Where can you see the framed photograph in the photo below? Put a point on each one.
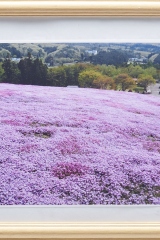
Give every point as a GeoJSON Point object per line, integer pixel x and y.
{"type": "Point", "coordinates": [79, 119]}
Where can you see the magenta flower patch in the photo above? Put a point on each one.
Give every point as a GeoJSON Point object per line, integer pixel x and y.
{"type": "Point", "coordinates": [78, 146]}
{"type": "Point", "coordinates": [66, 169]}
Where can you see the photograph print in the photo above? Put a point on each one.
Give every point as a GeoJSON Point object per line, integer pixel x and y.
{"type": "Point", "coordinates": [79, 124]}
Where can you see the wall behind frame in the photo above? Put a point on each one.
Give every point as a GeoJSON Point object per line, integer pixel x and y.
{"type": "Point", "coordinates": [79, 29]}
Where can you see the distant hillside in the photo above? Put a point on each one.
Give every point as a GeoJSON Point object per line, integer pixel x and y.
{"type": "Point", "coordinates": [63, 53]}
{"type": "Point", "coordinates": [157, 59]}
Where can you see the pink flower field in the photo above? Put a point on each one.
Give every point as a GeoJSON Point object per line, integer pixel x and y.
{"type": "Point", "coordinates": [78, 146]}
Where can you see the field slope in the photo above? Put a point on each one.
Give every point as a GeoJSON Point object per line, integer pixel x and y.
{"type": "Point", "coordinates": [78, 146]}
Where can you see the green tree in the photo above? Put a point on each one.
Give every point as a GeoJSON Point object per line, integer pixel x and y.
{"type": "Point", "coordinates": [135, 71]}
{"type": "Point", "coordinates": [87, 77]}
{"type": "Point", "coordinates": [1, 72]}
{"type": "Point", "coordinates": [124, 82]}
{"type": "Point", "coordinates": [122, 70]}
{"type": "Point", "coordinates": [4, 53]}
{"type": "Point", "coordinates": [112, 57]}
{"type": "Point", "coordinates": [72, 73]}
{"type": "Point", "coordinates": [151, 71]}
{"type": "Point", "coordinates": [145, 80]}
{"type": "Point", "coordinates": [11, 72]}
{"type": "Point", "coordinates": [104, 82]}
{"type": "Point", "coordinates": [57, 77]}
{"type": "Point", "coordinates": [40, 72]}
{"type": "Point", "coordinates": [109, 70]}
{"type": "Point", "coordinates": [33, 72]}
{"type": "Point", "coordinates": [27, 71]}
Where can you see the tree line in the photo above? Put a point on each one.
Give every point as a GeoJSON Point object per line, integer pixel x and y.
{"type": "Point", "coordinates": [34, 72]}
{"type": "Point", "coordinates": [27, 71]}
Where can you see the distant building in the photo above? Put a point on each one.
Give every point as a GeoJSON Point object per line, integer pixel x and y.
{"type": "Point", "coordinates": [17, 60]}
{"type": "Point", "coordinates": [94, 52]}
{"type": "Point", "coordinates": [137, 60]}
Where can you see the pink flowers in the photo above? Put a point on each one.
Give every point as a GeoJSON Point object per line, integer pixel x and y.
{"type": "Point", "coordinates": [78, 146]}
{"type": "Point", "coordinates": [65, 169]}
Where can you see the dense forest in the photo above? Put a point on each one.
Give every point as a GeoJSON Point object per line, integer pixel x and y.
{"type": "Point", "coordinates": [32, 71]}
{"type": "Point", "coordinates": [124, 66]}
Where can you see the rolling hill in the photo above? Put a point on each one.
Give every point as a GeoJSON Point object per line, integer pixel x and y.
{"type": "Point", "coordinates": [61, 53]}
{"type": "Point", "coordinates": [78, 146]}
